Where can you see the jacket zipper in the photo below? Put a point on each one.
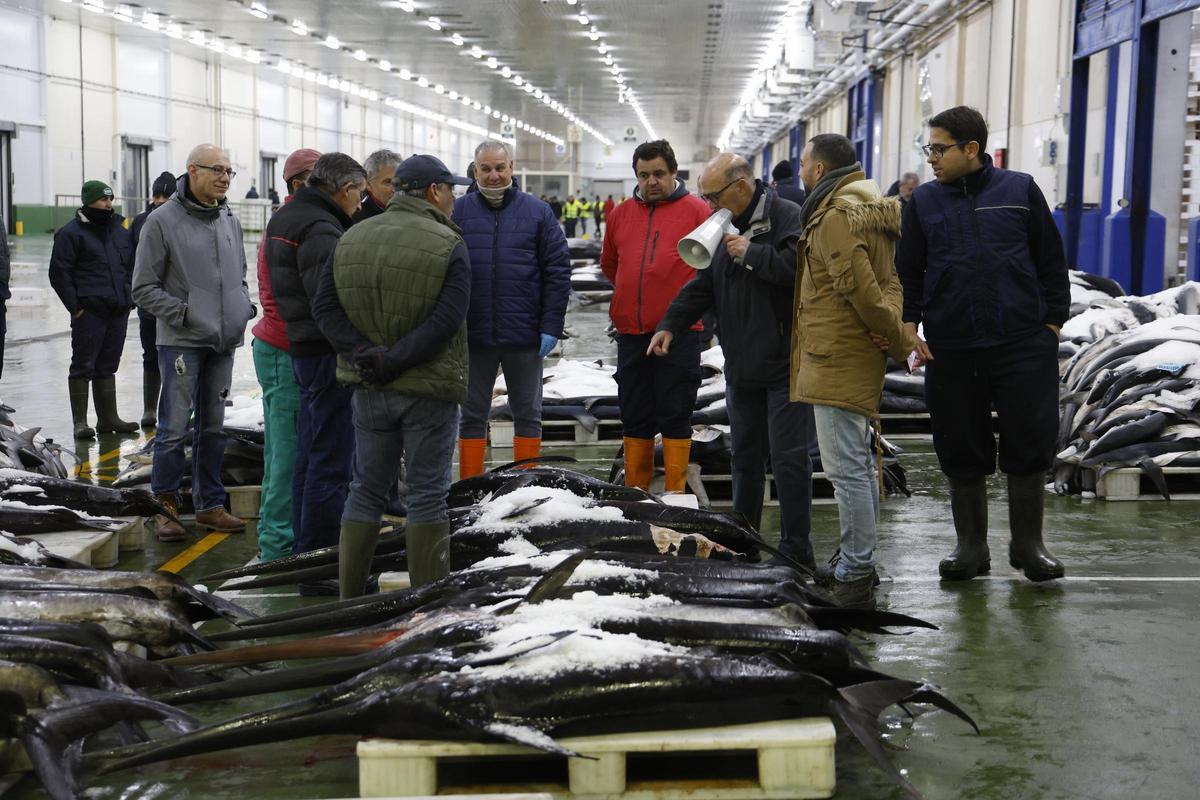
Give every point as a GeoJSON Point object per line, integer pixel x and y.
{"type": "Point", "coordinates": [495, 258]}
{"type": "Point", "coordinates": [642, 269]}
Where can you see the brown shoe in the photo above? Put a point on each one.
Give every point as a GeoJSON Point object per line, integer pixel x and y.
{"type": "Point", "coordinates": [218, 519]}
{"type": "Point", "coordinates": [165, 528]}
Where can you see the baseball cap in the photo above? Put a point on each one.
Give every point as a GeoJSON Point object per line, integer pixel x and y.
{"type": "Point", "coordinates": [419, 171]}
{"type": "Point", "coordinates": [299, 162]}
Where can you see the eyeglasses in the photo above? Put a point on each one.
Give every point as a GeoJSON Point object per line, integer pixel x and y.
{"type": "Point", "coordinates": [712, 197]}
{"type": "Point", "coordinates": [939, 150]}
{"type": "Point", "coordinates": [219, 170]}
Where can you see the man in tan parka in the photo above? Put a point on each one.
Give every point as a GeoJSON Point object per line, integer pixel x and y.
{"type": "Point", "coordinates": [848, 307]}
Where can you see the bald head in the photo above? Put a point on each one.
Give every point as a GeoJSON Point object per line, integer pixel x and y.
{"type": "Point", "coordinates": [728, 182]}
{"type": "Point", "coordinates": [209, 173]}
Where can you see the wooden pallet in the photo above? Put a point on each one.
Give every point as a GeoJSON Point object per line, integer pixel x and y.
{"type": "Point", "coordinates": [561, 433]}
{"type": "Point", "coordinates": [761, 761]}
{"type": "Point", "coordinates": [1131, 483]}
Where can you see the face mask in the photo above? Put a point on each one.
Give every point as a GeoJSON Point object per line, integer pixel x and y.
{"type": "Point", "coordinates": [97, 216]}
{"type": "Point", "coordinates": [494, 196]}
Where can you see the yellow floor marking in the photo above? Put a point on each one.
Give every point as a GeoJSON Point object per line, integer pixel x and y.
{"type": "Point", "coordinates": [179, 562]}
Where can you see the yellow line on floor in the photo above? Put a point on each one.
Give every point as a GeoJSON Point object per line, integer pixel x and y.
{"type": "Point", "coordinates": [86, 466]}
{"type": "Point", "coordinates": [201, 547]}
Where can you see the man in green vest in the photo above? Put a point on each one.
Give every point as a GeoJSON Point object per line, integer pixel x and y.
{"type": "Point", "coordinates": [570, 215]}
{"type": "Point", "coordinates": [393, 302]}
{"type": "Point", "coordinates": [585, 211]}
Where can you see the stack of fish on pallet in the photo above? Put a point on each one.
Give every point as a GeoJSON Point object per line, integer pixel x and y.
{"type": "Point", "coordinates": [66, 679]}
{"type": "Point", "coordinates": [34, 503]}
{"type": "Point", "coordinates": [243, 462]}
{"type": "Point", "coordinates": [588, 284]}
{"type": "Point", "coordinates": [1099, 307]}
{"type": "Point", "coordinates": [26, 449]}
{"type": "Point", "coordinates": [567, 615]}
{"type": "Point", "coordinates": [1131, 394]}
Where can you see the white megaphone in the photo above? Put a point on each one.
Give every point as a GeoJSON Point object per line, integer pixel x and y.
{"type": "Point", "coordinates": [698, 247]}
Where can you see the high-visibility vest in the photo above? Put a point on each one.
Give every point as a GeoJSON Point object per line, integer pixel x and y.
{"type": "Point", "coordinates": [571, 210]}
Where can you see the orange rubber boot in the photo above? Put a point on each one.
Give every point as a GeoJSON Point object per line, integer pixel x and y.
{"type": "Point", "coordinates": [676, 453]}
{"type": "Point", "coordinates": [470, 457]}
{"type": "Point", "coordinates": [639, 462]}
{"type": "Point", "coordinates": [526, 447]}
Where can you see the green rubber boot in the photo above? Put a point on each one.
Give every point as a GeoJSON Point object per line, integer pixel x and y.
{"type": "Point", "coordinates": [356, 550]}
{"type": "Point", "coordinates": [428, 547]}
{"type": "Point", "coordinates": [78, 388]}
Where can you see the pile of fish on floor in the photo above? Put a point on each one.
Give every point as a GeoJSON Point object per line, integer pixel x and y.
{"type": "Point", "coordinates": [588, 284]}
{"type": "Point", "coordinates": [243, 461]}
{"type": "Point", "coordinates": [586, 392]}
{"type": "Point", "coordinates": [575, 607]}
{"type": "Point", "coordinates": [1130, 394]}
{"type": "Point", "coordinates": [26, 449]}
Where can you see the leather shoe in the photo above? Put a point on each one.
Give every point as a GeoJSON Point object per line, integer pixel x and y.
{"type": "Point", "coordinates": [165, 528]}
{"type": "Point", "coordinates": [218, 519]}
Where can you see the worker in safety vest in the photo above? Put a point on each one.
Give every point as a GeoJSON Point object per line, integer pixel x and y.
{"type": "Point", "coordinates": [571, 213]}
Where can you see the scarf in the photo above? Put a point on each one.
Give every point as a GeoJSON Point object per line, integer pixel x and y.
{"type": "Point", "coordinates": [494, 197]}
{"type": "Point", "coordinates": [823, 189]}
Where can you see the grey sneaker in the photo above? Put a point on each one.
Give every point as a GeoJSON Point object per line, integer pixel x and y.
{"type": "Point", "coordinates": [858, 593]}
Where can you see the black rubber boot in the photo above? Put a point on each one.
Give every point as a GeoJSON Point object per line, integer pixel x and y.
{"type": "Point", "coordinates": [151, 383]}
{"type": "Point", "coordinates": [104, 392]}
{"type": "Point", "coordinates": [968, 505]}
{"type": "Point", "coordinates": [78, 388]}
{"type": "Point", "coordinates": [428, 551]}
{"type": "Point", "coordinates": [1026, 501]}
{"type": "Point", "coordinates": [356, 549]}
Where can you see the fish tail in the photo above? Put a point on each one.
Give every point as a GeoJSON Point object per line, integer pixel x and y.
{"type": "Point", "coordinates": [859, 708]}
{"type": "Point", "coordinates": [292, 721]}
{"type": "Point", "coordinates": [218, 605]}
{"type": "Point", "coordinates": [274, 681]}
{"type": "Point", "coordinates": [871, 621]}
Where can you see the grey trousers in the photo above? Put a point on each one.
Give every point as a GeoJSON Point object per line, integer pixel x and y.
{"type": "Point", "coordinates": [523, 376]}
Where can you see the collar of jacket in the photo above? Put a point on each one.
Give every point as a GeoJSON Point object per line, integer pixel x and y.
{"type": "Point", "coordinates": [407, 204]}
{"type": "Point", "coordinates": [680, 191]}
{"type": "Point", "coordinates": [183, 196]}
{"type": "Point", "coordinates": [375, 201]}
{"type": "Point", "coordinates": [827, 201]}
{"type": "Point", "coordinates": [755, 211]}
{"type": "Point", "coordinates": [972, 183]}
{"type": "Point", "coordinates": [316, 197]}
{"type": "Point", "coordinates": [865, 207]}
{"type": "Point", "coordinates": [117, 218]}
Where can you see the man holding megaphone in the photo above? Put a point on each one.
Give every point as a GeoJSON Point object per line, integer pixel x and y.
{"type": "Point", "coordinates": [746, 274]}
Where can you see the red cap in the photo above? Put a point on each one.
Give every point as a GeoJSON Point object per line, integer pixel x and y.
{"type": "Point", "coordinates": [299, 162]}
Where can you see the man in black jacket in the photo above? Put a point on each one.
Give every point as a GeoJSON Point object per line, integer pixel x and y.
{"type": "Point", "coordinates": [983, 268]}
{"type": "Point", "coordinates": [300, 238]}
{"type": "Point", "coordinates": [783, 181]}
{"type": "Point", "coordinates": [381, 168]}
{"type": "Point", "coordinates": [91, 269]}
{"type": "Point", "coordinates": [749, 285]}
{"type": "Point", "coordinates": [163, 188]}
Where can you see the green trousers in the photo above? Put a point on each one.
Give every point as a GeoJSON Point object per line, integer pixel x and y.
{"type": "Point", "coordinates": [281, 402]}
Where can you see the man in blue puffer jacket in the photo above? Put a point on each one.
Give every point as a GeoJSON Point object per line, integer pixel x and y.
{"type": "Point", "coordinates": [983, 268]}
{"type": "Point", "coordinates": [520, 281]}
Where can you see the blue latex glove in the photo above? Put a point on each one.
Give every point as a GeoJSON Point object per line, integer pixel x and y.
{"type": "Point", "coordinates": [548, 343]}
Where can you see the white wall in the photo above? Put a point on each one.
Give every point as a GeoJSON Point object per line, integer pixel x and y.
{"type": "Point", "coordinates": [178, 96]}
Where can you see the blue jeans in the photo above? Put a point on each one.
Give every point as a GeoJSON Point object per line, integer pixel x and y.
{"type": "Point", "coordinates": [845, 440]}
{"type": "Point", "coordinates": [386, 425]}
{"type": "Point", "coordinates": [324, 453]}
{"type": "Point", "coordinates": [193, 378]}
{"type": "Point", "coordinates": [764, 424]}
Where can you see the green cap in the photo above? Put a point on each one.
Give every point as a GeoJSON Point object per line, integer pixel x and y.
{"type": "Point", "coordinates": [93, 191]}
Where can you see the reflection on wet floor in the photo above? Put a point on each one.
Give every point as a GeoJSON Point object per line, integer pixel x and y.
{"type": "Point", "coordinates": [1086, 688]}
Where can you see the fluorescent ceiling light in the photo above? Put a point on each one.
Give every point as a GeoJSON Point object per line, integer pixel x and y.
{"type": "Point", "coordinates": [299, 28]}
{"type": "Point", "coordinates": [477, 51]}
{"type": "Point", "coordinates": [150, 20]}
{"type": "Point", "coordinates": [456, 40]}
{"type": "Point", "coordinates": [360, 55]}
{"type": "Point", "coordinates": [385, 65]}
{"type": "Point", "coordinates": [440, 89]}
{"type": "Point", "coordinates": [583, 18]}
{"type": "Point", "coordinates": [492, 62]}
{"type": "Point", "coordinates": [332, 42]}
{"type": "Point", "coordinates": [123, 12]}
{"type": "Point", "coordinates": [423, 82]}
{"type": "Point", "coordinates": [434, 23]}
{"type": "Point", "coordinates": [506, 71]}
{"type": "Point", "coordinates": [174, 30]}
{"type": "Point", "coordinates": [95, 6]}
{"type": "Point", "coordinates": [405, 75]}
{"type": "Point", "coordinates": [259, 10]}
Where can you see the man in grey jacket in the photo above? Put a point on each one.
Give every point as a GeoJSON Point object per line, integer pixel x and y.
{"type": "Point", "coordinates": [190, 274]}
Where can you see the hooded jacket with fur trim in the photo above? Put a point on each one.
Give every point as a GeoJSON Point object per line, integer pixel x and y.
{"type": "Point", "coordinates": [846, 289]}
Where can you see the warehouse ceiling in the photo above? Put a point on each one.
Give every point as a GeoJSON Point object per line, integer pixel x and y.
{"type": "Point", "coordinates": [679, 69]}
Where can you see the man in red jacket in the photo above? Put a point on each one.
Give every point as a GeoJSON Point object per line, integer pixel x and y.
{"type": "Point", "coordinates": [641, 259]}
{"type": "Point", "coordinates": [281, 397]}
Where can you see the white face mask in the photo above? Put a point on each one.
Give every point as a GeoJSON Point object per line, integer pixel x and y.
{"type": "Point", "coordinates": [494, 196]}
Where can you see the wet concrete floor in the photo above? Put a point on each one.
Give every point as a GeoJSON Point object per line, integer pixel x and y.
{"type": "Point", "coordinates": [1084, 688]}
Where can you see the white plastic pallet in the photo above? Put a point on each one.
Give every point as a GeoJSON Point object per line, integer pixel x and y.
{"type": "Point", "coordinates": [607, 431]}
{"type": "Point", "coordinates": [770, 497]}
{"type": "Point", "coordinates": [1126, 484]}
{"type": "Point", "coordinates": [794, 759]}
{"type": "Point", "coordinates": [99, 549]}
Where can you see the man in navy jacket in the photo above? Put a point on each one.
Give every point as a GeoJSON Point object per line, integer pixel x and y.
{"type": "Point", "coordinates": [983, 268]}
{"type": "Point", "coordinates": [520, 282]}
{"type": "Point", "coordinates": [91, 267]}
